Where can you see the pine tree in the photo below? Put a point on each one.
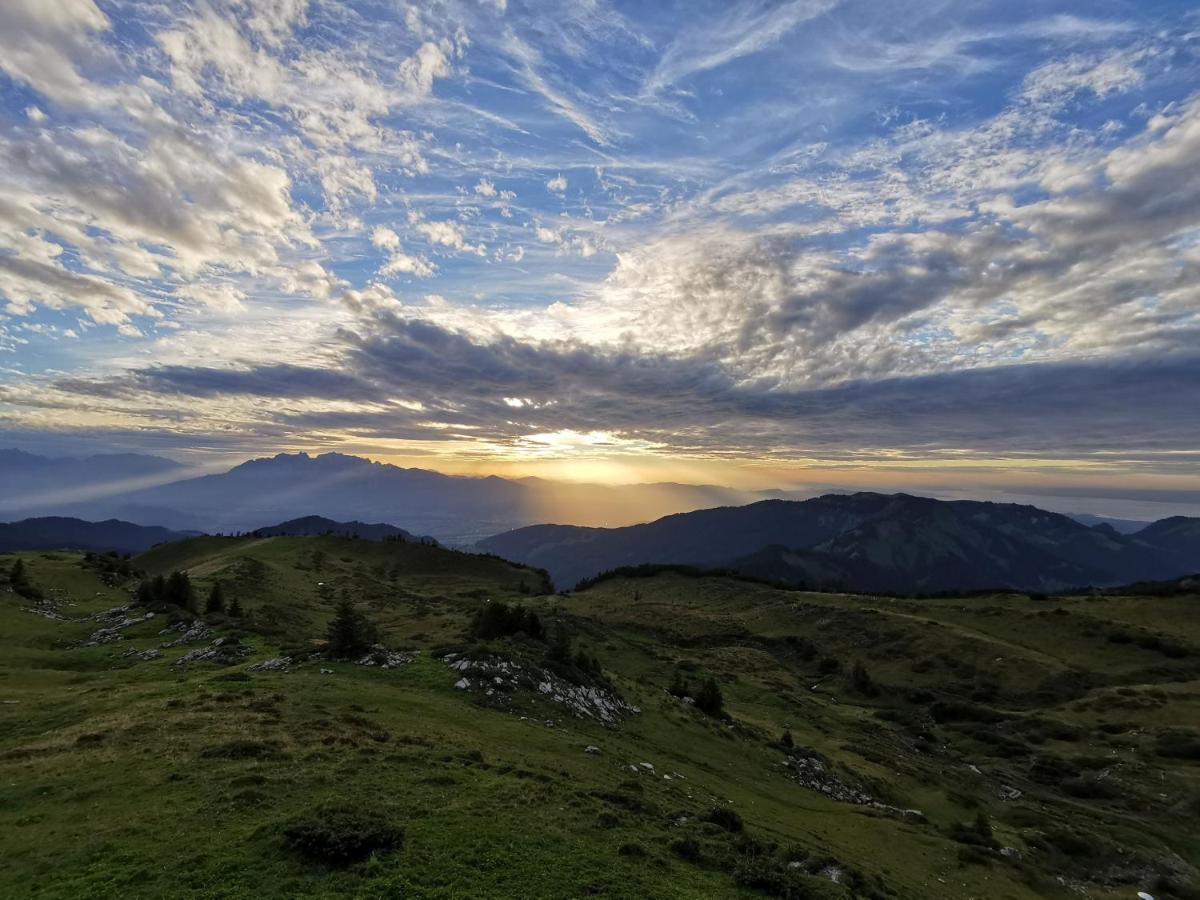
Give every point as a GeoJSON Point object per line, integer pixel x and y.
{"type": "Point", "coordinates": [216, 599]}
{"type": "Point", "coordinates": [350, 634]}
{"type": "Point", "coordinates": [560, 649]}
{"type": "Point", "coordinates": [18, 579]}
{"type": "Point", "coordinates": [860, 678]}
{"type": "Point", "coordinates": [145, 594]}
{"type": "Point", "coordinates": [708, 698]}
{"type": "Point", "coordinates": [178, 590]}
{"type": "Point", "coordinates": [235, 609]}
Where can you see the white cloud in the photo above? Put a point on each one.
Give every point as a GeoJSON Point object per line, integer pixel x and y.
{"type": "Point", "coordinates": [557, 184]}
{"type": "Point", "coordinates": [446, 233]}
{"type": "Point", "coordinates": [485, 188]}
{"type": "Point", "coordinates": [385, 238]}
{"type": "Point", "coordinates": [417, 73]}
{"type": "Point", "coordinates": [744, 29]}
{"type": "Point", "coordinates": [401, 263]}
{"type": "Point", "coordinates": [220, 297]}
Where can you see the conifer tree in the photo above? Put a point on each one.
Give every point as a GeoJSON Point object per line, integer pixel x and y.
{"type": "Point", "coordinates": [18, 579]}
{"type": "Point", "coordinates": [216, 599]}
{"type": "Point", "coordinates": [178, 590]}
{"type": "Point", "coordinates": [350, 634]}
{"type": "Point", "coordinates": [708, 698]}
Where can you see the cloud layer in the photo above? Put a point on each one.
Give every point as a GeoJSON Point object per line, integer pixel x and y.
{"type": "Point", "coordinates": [811, 230]}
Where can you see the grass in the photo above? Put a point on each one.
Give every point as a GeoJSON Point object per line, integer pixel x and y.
{"type": "Point", "coordinates": [130, 778]}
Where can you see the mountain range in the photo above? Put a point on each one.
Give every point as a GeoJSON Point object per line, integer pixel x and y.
{"type": "Point", "coordinates": [453, 508]}
{"type": "Point", "coordinates": [871, 542]}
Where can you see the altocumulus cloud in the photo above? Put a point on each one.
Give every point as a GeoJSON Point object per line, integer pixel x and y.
{"type": "Point", "coordinates": [261, 221]}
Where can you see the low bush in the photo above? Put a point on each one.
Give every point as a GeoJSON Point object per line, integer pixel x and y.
{"type": "Point", "coordinates": [724, 817]}
{"type": "Point", "coordinates": [342, 836]}
{"type": "Point", "coordinates": [775, 879]}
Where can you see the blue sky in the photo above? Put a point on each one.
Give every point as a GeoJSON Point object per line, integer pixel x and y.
{"type": "Point", "coordinates": [945, 246]}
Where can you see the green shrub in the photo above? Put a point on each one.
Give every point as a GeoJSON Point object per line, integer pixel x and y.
{"type": "Point", "coordinates": [341, 836]}
{"type": "Point", "coordinates": [726, 818]}
{"type": "Point", "coordinates": [775, 879]}
{"type": "Point", "coordinates": [709, 699]}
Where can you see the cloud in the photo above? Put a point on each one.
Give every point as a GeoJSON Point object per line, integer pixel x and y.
{"type": "Point", "coordinates": [418, 72]}
{"type": "Point", "coordinates": [527, 64]}
{"type": "Point", "coordinates": [399, 263]}
{"type": "Point", "coordinates": [448, 234]}
{"type": "Point", "coordinates": [745, 29]}
{"type": "Point", "coordinates": [557, 184]}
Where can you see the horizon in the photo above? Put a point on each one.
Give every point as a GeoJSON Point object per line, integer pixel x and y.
{"type": "Point", "coordinates": [804, 246]}
{"type": "Point", "coordinates": [1144, 511]}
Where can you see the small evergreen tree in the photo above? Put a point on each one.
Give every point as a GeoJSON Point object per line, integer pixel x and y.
{"type": "Point", "coordinates": [18, 579]}
{"type": "Point", "coordinates": [709, 700]}
{"type": "Point", "coordinates": [350, 634]}
{"type": "Point", "coordinates": [216, 599]}
{"type": "Point", "coordinates": [145, 593]}
{"type": "Point", "coordinates": [861, 680]}
{"type": "Point", "coordinates": [786, 741]}
{"type": "Point", "coordinates": [178, 590]}
{"type": "Point", "coordinates": [560, 648]}
{"type": "Point", "coordinates": [234, 610]}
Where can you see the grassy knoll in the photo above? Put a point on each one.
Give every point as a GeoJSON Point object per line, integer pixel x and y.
{"type": "Point", "coordinates": [986, 747]}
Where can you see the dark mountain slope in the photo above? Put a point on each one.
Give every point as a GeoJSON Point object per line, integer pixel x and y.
{"type": "Point", "coordinates": [862, 541]}
{"type": "Point", "coordinates": [308, 526]}
{"type": "Point", "coordinates": [1178, 534]}
{"type": "Point", "coordinates": [56, 533]}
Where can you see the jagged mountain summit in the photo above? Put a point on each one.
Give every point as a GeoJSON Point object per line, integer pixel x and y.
{"type": "Point", "coordinates": [453, 508]}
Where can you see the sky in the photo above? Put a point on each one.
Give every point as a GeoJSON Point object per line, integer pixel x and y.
{"type": "Point", "coordinates": [948, 247]}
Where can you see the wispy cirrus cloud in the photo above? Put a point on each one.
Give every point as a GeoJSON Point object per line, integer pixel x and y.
{"type": "Point", "coordinates": [748, 231]}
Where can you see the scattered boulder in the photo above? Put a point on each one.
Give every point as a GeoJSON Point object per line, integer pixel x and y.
{"type": "Point", "coordinates": [222, 651]}
{"type": "Point", "coordinates": [500, 678]}
{"type": "Point", "coordinates": [114, 622]}
{"type": "Point", "coordinates": [278, 664]}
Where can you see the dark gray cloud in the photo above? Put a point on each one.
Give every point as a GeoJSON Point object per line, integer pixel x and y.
{"type": "Point", "coordinates": [691, 403]}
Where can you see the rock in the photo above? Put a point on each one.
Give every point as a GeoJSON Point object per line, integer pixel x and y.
{"type": "Point", "coordinates": [591, 748]}
{"type": "Point", "coordinates": [152, 653]}
{"type": "Point", "coordinates": [197, 632]}
{"type": "Point", "coordinates": [649, 767]}
{"type": "Point", "coordinates": [277, 664]}
{"type": "Point", "coordinates": [115, 621]}
{"type": "Point", "coordinates": [220, 652]}
{"type": "Point", "coordinates": [388, 659]}
{"type": "Point", "coordinates": [462, 684]}
{"type": "Point", "coordinates": [506, 677]}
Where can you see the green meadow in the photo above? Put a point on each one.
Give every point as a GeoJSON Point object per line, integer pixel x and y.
{"type": "Point", "coordinates": [993, 746]}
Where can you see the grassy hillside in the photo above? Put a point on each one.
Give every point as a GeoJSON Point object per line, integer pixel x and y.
{"type": "Point", "coordinates": [992, 747]}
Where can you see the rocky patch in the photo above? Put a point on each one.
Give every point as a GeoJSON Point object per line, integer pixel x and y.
{"type": "Point", "coordinates": [222, 652]}
{"type": "Point", "coordinates": [497, 679]}
{"type": "Point", "coordinates": [114, 622]}
{"type": "Point", "coordinates": [814, 774]}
